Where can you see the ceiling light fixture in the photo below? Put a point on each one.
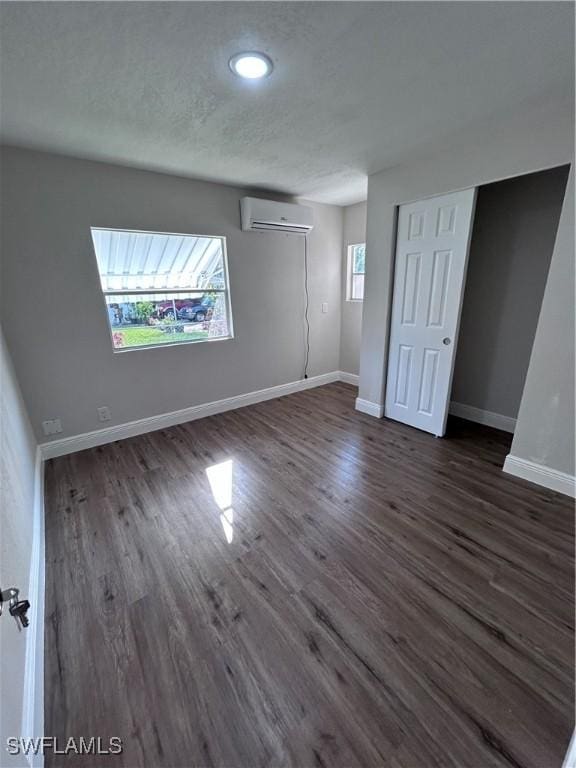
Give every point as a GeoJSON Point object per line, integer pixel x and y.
{"type": "Point", "coordinates": [251, 65]}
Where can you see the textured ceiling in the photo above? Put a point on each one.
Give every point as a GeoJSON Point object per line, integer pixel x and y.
{"type": "Point", "coordinates": [357, 87]}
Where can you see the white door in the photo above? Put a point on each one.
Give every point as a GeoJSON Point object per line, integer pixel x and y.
{"type": "Point", "coordinates": [431, 258]}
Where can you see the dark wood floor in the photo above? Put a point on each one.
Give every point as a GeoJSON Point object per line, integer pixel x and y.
{"type": "Point", "coordinates": [296, 584]}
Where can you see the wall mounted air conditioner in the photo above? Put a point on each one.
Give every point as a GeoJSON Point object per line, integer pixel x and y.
{"type": "Point", "coordinates": [267, 215]}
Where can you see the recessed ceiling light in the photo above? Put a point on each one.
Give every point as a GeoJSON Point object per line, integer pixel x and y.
{"type": "Point", "coordinates": [251, 65]}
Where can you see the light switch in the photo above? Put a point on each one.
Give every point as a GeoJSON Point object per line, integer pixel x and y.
{"type": "Point", "coordinates": [324, 307]}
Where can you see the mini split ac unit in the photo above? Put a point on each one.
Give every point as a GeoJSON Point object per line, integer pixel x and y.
{"type": "Point", "coordinates": [267, 215]}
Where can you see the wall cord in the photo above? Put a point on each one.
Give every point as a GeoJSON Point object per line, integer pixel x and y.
{"type": "Point", "coordinates": [307, 305]}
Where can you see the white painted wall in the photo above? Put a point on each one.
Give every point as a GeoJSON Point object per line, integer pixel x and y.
{"type": "Point", "coordinates": [52, 308]}
{"type": "Point", "coordinates": [18, 478]}
{"type": "Point", "coordinates": [512, 241]}
{"type": "Point", "coordinates": [540, 136]}
{"type": "Point", "coordinates": [351, 329]}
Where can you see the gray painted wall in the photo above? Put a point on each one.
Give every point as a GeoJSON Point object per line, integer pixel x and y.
{"type": "Point", "coordinates": [538, 137]}
{"type": "Point", "coordinates": [546, 427]}
{"type": "Point", "coordinates": [53, 314]}
{"type": "Point", "coordinates": [17, 488]}
{"type": "Point", "coordinates": [351, 330]}
{"type": "Point", "coordinates": [512, 240]}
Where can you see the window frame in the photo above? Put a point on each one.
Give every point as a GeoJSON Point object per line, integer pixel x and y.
{"type": "Point", "coordinates": [350, 273]}
{"type": "Point", "coordinates": [165, 291]}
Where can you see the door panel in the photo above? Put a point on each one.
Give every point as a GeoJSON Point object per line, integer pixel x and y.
{"type": "Point", "coordinates": [428, 381]}
{"type": "Point", "coordinates": [438, 288]}
{"type": "Point", "coordinates": [411, 288]}
{"type": "Point", "coordinates": [431, 258]}
{"type": "Point", "coordinates": [403, 378]}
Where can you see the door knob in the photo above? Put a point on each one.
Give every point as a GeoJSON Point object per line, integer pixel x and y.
{"type": "Point", "coordinates": [446, 341]}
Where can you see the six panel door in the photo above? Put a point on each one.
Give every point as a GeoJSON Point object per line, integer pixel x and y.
{"type": "Point", "coordinates": [432, 247]}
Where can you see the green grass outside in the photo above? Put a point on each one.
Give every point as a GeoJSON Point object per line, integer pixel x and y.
{"type": "Point", "coordinates": [137, 337]}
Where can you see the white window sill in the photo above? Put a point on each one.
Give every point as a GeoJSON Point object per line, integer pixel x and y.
{"type": "Point", "coordinates": [144, 347]}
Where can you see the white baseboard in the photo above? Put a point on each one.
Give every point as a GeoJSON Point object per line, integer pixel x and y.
{"type": "Point", "coordinates": [372, 409]}
{"type": "Point", "coordinates": [541, 475]}
{"type": "Point", "coordinates": [33, 705]}
{"type": "Point", "coordinates": [480, 416]}
{"type": "Point", "coordinates": [349, 378]}
{"type": "Point", "coordinates": [132, 428]}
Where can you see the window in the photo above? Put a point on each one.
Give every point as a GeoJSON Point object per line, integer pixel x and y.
{"type": "Point", "coordinates": [356, 270]}
{"type": "Point", "coordinates": [161, 288]}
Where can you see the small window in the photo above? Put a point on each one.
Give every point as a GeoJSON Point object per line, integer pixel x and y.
{"type": "Point", "coordinates": [356, 270]}
{"type": "Point", "coordinates": [162, 288]}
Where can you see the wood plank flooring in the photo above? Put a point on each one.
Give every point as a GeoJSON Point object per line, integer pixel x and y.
{"type": "Point", "coordinates": [297, 584]}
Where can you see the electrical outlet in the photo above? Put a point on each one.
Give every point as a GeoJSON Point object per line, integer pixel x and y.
{"type": "Point", "coordinates": [52, 426]}
{"type": "Point", "coordinates": [324, 307]}
{"type": "Point", "coordinates": [103, 413]}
